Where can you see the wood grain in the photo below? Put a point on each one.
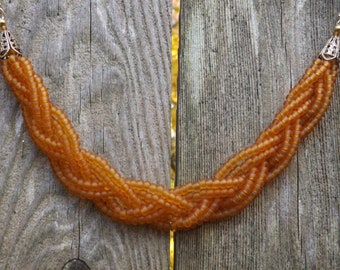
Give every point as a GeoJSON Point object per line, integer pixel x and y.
{"type": "Point", "coordinates": [238, 60]}
{"type": "Point", "coordinates": [107, 64]}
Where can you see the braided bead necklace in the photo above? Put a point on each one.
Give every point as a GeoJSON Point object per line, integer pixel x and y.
{"type": "Point", "coordinates": [234, 185]}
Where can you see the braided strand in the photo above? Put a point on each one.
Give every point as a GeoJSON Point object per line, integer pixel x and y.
{"type": "Point", "coordinates": [234, 186]}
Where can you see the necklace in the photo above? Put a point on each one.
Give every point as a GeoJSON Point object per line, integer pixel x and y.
{"type": "Point", "coordinates": [234, 185]}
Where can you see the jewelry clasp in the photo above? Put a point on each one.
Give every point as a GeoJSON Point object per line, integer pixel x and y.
{"type": "Point", "coordinates": [2, 18]}
{"type": "Point", "coordinates": [337, 27]}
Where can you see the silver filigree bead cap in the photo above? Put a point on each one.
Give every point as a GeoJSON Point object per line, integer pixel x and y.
{"type": "Point", "coordinates": [331, 50]}
{"type": "Point", "coordinates": [8, 45]}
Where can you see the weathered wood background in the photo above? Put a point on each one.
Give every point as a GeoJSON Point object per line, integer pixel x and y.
{"type": "Point", "coordinates": [107, 64]}
{"type": "Point", "coordinates": [238, 60]}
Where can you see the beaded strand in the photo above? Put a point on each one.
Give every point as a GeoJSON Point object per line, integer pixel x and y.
{"type": "Point", "coordinates": [234, 185]}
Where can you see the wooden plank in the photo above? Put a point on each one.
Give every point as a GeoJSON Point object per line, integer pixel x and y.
{"type": "Point", "coordinates": [238, 60]}
{"type": "Point", "coordinates": [107, 64]}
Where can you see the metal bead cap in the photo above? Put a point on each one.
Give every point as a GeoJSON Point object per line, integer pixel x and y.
{"type": "Point", "coordinates": [331, 50]}
{"type": "Point", "coordinates": [8, 45]}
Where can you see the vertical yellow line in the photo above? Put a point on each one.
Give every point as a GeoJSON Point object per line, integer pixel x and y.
{"type": "Point", "coordinates": [174, 72]}
{"type": "Point", "coordinates": [172, 251]}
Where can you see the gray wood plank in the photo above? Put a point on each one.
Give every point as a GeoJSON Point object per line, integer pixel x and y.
{"type": "Point", "coordinates": [107, 64]}
{"type": "Point", "coordinates": [238, 60]}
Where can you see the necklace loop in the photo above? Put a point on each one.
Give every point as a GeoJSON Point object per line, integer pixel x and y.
{"type": "Point", "coordinates": [337, 27]}
{"type": "Point", "coordinates": [2, 17]}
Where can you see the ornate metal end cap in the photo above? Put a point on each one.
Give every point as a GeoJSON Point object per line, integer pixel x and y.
{"type": "Point", "coordinates": [331, 50]}
{"type": "Point", "coordinates": [8, 45]}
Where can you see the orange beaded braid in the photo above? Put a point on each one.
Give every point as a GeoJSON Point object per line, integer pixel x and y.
{"type": "Point", "coordinates": [235, 184]}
